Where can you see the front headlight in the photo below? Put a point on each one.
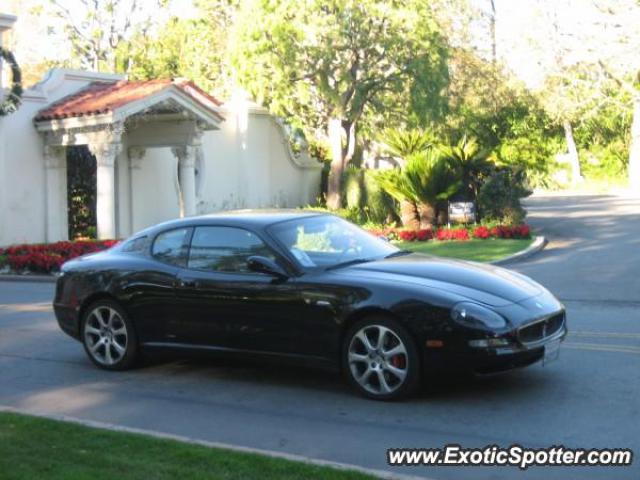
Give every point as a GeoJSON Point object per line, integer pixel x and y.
{"type": "Point", "coordinates": [474, 315]}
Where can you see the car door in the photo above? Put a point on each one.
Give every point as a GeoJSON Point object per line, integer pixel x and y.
{"type": "Point", "coordinates": [225, 305]}
{"type": "Point", "coordinates": [149, 288]}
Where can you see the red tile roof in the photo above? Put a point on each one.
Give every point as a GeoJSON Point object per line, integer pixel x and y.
{"type": "Point", "coordinates": [99, 97]}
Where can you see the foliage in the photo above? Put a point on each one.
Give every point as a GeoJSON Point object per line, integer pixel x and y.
{"type": "Point", "coordinates": [47, 258]}
{"type": "Point", "coordinates": [331, 67]}
{"type": "Point", "coordinates": [472, 163]}
{"type": "Point", "coordinates": [426, 178]}
{"type": "Point", "coordinates": [81, 193]}
{"type": "Point", "coordinates": [603, 134]}
{"type": "Point", "coordinates": [480, 232]}
{"type": "Point", "coordinates": [403, 143]}
{"type": "Point", "coordinates": [197, 49]}
{"type": "Point", "coordinates": [13, 98]}
{"type": "Point", "coordinates": [99, 34]}
{"type": "Point", "coordinates": [499, 197]}
{"type": "Point", "coordinates": [361, 192]}
{"type": "Point", "coordinates": [507, 121]}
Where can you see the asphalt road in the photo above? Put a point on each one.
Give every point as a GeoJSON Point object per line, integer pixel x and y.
{"type": "Point", "coordinates": [589, 398]}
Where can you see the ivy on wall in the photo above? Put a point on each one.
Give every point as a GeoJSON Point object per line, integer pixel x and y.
{"type": "Point", "coordinates": [12, 100]}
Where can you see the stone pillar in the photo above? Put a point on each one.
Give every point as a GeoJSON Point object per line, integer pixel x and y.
{"type": "Point", "coordinates": [187, 176]}
{"type": "Point", "coordinates": [106, 146]}
{"type": "Point", "coordinates": [56, 193]}
{"type": "Point", "coordinates": [136, 155]}
{"type": "Point", "coordinates": [106, 155]}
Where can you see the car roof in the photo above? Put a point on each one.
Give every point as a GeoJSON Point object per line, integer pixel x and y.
{"type": "Point", "coordinates": [257, 218]}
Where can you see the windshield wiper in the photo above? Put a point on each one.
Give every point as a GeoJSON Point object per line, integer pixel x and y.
{"type": "Point", "coordinates": [399, 253]}
{"type": "Point", "coordinates": [349, 262]}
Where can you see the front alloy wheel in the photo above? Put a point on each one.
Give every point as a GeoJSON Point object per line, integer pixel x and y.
{"type": "Point", "coordinates": [108, 336]}
{"type": "Point", "coordinates": [381, 360]}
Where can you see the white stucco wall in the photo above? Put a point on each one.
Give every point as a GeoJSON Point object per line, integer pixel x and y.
{"type": "Point", "coordinates": [22, 173]}
{"type": "Point", "coordinates": [245, 164]}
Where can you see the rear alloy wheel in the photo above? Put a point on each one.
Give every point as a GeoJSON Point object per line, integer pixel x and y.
{"type": "Point", "coordinates": [380, 359]}
{"type": "Point", "coordinates": [108, 336]}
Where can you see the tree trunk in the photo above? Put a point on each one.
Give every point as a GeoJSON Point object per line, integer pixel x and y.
{"type": "Point", "coordinates": [428, 215]}
{"type": "Point", "coordinates": [634, 147]}
{"type": "Point", "coordinates": [409, 215]}
{"type": "Point", "coordinates": [334, 199]}
{"type": "Point", "coordinates": [576, 175]}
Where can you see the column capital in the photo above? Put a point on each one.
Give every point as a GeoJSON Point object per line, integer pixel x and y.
{"type": "Point", "coordinates": [136, 154]}
{"type": "Point", "coordinates": [106, 153]}
{"type": "Point", "coordinates": [54, 156]}
{"type": "Point", "coordinates": [186, 155]}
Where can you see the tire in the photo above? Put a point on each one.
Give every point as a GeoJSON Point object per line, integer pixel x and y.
{"type": "Point", "coordinates": [374, 370]}
{"type": "Point", "coordinates": [108, 336]}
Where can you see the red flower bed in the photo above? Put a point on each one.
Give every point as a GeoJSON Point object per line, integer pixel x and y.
{"type": "Point", "coordinates": [453, 234]}
{"type": "Point", "coordinates": [481, 232]}
{"type": "Point", "coordinates": [459, 233]}
{"type": "Point", "coordinates": [49, 257]}
{"type": "Point", "coordinates": [407, 235]}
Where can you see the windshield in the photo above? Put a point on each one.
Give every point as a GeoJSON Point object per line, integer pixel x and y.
{"type": "Point", "coordinates": [328, 241]}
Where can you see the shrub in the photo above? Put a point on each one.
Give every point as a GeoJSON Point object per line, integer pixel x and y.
{"type": "Point", "coordinates": [424, 234]}
{"type": "Point", "coordinates": [499, 197]}
{"type": "Point", "coordinates": [481, 232]}
{"type": "Point", "coordinates": [452, 234]}
{"type": "Point", "coordinates": [353, 188]}
{"type": "Point", "coordinates": [380, 206]}
{"type": "Point", "coordinates": [407, 235]}
{"type": "Point", "coordinates": [47, 258]}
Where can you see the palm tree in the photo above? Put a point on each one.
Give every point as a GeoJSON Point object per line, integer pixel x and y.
{"type": "Point", "coordinates": [472, 162]}
{"type": "Point", "coordinates": [423, 183]}
{"type": "Point", "coordinates": [404, 143]}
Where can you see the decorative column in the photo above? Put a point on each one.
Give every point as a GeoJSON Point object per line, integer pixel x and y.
{"type": "Point", "coordinates": [136, 155]}
{"type": "Point", "coordinates": [106, 150]}
{"type": "Point", "coordinates": [56, 193]}
{"type": "Point", "coordinates": [187, 177]}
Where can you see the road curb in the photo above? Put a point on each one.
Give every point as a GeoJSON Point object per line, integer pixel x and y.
{"type": "Point", "coordinates": [538, 244]}
{"type": "Point", "coordinates": [220, 445]}
{"type": "Point", "coordinates": [7, 277]}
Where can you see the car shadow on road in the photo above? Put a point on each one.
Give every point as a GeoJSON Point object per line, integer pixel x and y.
{"type": "Point", "coordinates": [436, 388]}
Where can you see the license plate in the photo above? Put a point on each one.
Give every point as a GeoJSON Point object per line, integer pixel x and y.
{"type": "Point", "coordinates": [551, 352]}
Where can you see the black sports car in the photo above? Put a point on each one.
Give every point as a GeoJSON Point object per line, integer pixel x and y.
{"type": "Point", "coordinates": [307, 287]}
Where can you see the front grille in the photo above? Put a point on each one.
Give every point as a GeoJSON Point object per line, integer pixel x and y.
{"type": "Point", "coordinates": [541, 329]}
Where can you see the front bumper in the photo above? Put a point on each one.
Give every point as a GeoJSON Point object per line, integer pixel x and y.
{"type": "Point", "coordinates": [484, 360]}
{"type": "Point", "coordinates": [517, 355]}
{"type": "Point", "coordinates": [67, 318]}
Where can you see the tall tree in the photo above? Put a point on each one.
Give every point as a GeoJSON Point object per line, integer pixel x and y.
{"type": "Point", "coordinates": [329, 64]}
{"type": "Point", "coordinates": [195, 48]}
{"type": "Point", "coordinates": [97, 28]}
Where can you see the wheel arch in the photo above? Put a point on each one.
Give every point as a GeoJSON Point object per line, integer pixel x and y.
{"type": "Point", "coordinates": [90, 300]}
{"type": "Point", "coordinates": [366, 312]}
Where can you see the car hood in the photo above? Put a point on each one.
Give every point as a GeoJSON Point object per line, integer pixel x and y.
{"type": "Point", "coordinates": [484, 283]}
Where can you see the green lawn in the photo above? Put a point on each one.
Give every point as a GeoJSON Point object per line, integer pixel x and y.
{"type": "Point", "coordinates": [32, 447]}
{"type": "Point", "coordinates": [478, 250]}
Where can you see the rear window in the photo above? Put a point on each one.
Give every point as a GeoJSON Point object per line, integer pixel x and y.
{"type": "Point", "coordinates": [135, 244]}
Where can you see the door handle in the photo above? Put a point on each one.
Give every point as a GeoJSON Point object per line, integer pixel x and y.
{"type": "Point", "coordinates": [188, 283]}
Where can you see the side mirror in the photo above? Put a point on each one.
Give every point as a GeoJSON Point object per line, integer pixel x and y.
{"type": "Point", "coordinates": [261, 264]}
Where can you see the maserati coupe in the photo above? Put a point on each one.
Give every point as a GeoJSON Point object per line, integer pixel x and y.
{"type": "Point", "coordinates": [309, 288]}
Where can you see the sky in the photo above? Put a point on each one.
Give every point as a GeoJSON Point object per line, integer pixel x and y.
{"type": "Point", "coordinates": [527, 41]}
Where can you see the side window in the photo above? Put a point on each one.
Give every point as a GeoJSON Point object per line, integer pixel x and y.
{"type": "Point", "coordinates": [170, 247]}
{"type": "Point", "coordinates": [225, 249]}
